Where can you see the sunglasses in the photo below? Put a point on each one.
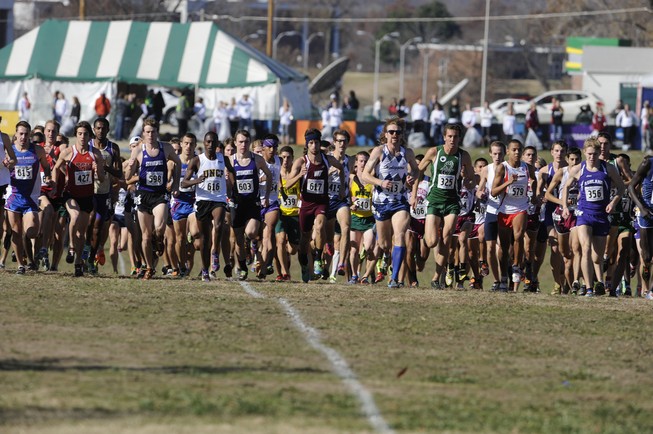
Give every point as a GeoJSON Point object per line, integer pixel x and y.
{"type": "Point", "coordinates": [393, 132]}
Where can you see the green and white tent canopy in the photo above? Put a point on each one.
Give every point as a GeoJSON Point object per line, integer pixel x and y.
{"type": "Point", "coordinates": [197, 55]}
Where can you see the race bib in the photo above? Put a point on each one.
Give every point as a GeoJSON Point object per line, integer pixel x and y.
{"type": "Point", "coordinates": [334, 188]}
{"type": "Point", "coordinates": [315, 186]}
{"type": "Point", "coordinates": [245, 186]}
{"type": "Point", "coordinates": [446, 182]}
{"type": "Point", "coordinates": [363, 203]}
{"type": "Point", "coordinates": [154, 179]}
{"type": "Point", "coordinates": [419, 212]}
{"type": "Point", "coordinates": [594, 193]}
{"type": "Point", "coordinates": [83, 177]}
{"type": "Point", "coordinates": [290, 201]}
{"type": "Point", "coordinates": [23, 172]}
{"type": "Point", "coordinates": [395, 187]}
{"type": "Point", "coordinates": [516, 191]}
{"type": "Point", "coordinates": [213, 187]}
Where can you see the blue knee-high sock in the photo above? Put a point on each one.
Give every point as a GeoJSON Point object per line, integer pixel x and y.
{"type": "Point", "coordinates": [398, 255]}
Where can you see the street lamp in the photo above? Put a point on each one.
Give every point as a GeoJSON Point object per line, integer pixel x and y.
{"type": "Point", "coordinates": [377, 53]}
{"type": "Point", "coordinates": [307, 44]}
{"type": "Point", "coordinates": [402, 56]}
{"type": "Point", "coordinates": [278, 38]}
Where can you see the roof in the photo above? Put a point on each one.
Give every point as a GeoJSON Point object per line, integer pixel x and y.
{"type": "Point", "coordinates": [168, 54]}
{"type": "Point", "coordinates": [617, 60]}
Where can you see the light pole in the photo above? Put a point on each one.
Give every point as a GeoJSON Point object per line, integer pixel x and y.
{"type": "Point", "coordinates": [278, 38]}
{"type": "Point", "coordinates": [307, 44]}
{"type": "Point", "coordinates": [425, 72]}
{"type": "Point", "coordinates": [377, 53]}
{"type": "Point", "coordinates": [402, 57]}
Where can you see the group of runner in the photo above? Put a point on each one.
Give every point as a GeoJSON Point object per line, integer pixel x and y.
{"type": "Point", "coordinates": [365, 218]}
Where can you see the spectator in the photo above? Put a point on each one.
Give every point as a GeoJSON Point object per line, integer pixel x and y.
{"type": "Point", "coordinates": [75, 111]}
{"type": "Point", "coordinates": [402, 109]}
{"type": "Point", "coordinates": [509, 124]}
{"type": "Point", "coordinates": [376, 109]}
{"type": "Point", "coordinates": [599, 121]}
{"type": "Point", "coordinates": [232, 114]}
{"type": "Point", "coordinates": [557, 113]}
{"type": "Point", "coordinates": [393, 108]}
{"type": "Point", "coordinates": [419, 114]}
{"type": "Point", "coordinates": [626, 120]}
{"type": "Point", "coordinates": [158, 104]}
{"type": "Point", "coordinates": [353, 101]}
{"type": "Point", "coordinates": [102, 106]}
{"type": "Point", "coordinates": [585, 116]}
{"type": "Point", "coordinates": [119, 112]}
{"type": "Point", "coordinates": [486, 122]}
{"type": "Point", "coordinates": [645, 125]}
{"type": "Point", "coordinates": [454, 112]}
{"type": "Point", "coordinates": [285, 118]}
{"type": "Point", "coordinates": [60, 107]}
{"type": "Point", "coordinates": [532, 118]}
{"type": "Point", "coordinates": [24, 108]}
{"type": "Point", "coordinates": [433, 102]}
{"type": "Point", "coordinates": [468, 118]}
{"type": "Point", "coordinates": [184, 112]}
{"type": "Point", "coordinates": [199, 109]}
{"type": "Point", "coordinates": [335, 116]}
{"type": "Point", "coordinates": [437, 118]}
{"type": "Point", "coordinates": [245, 106]}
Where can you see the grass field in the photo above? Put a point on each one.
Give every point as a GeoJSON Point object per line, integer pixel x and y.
{"type": "Point", "coordinates": [107, 355]}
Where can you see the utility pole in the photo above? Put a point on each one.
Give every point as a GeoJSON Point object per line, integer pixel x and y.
{"type": "Point", "coordinates": [82, 9]}
{"type": "Point", "coordinates": [268, 46]}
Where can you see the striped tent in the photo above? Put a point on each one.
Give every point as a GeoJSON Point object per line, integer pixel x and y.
{"type": "Point", "coordinates": [86, 58]}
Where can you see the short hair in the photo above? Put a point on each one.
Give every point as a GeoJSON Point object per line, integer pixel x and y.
{"type": "Point", "coordinates": [455, 127]}
{"type": "Point", "coordinates": [191, 136]}
{"type": "Point", "coordinates": [481, 160]}
{"type": "Point", "coordinates": [229, 141]}
{"type": "Point", "coordinates": [363, 154]}
{"type": "Point", "coordinates": [175, 140]}
{"type": "Point", "coordinates": [625, 157]}
{"type": "Point", "coordinates": [211, 135]}
{"type": "Point", "coordinates": [84, 124]}
{"type": "Point", "coordinates": [287, 149]}
{"type": "Point", "coordinates": [243, 133]}
{"type": "Point", "coordinates": [574, 150]}
{"type": "Point", "coordinates": [562, 143]}
{"type": "Point", "coordinates": [56, 124]}
{"type": "Point", "coordinates": [530, 148]}
{"type": "Point", "coordinates": [592, 142]}
{"type": "Point", "coordinates": [521, 145]}
{"type": "Point", "coordinates": [498, 144]}
{"type": "Point", "coordinates": [605, 135]}
{"type": "Point", "coordinates": [151, 122]}
{"type": "Point", "coordinates": [38, 137]}
{"type": "Point", "coordinates": [40, 128]}
{"type": "Point", "coordinates": [342, 132]}
{"type": "Point", "coordinates": [102, 120]}
{"type": "Point", "coordinates": [25, 125]}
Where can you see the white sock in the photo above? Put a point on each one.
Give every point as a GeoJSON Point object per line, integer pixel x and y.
{"type": "Point", "coordinates": [334, 263]}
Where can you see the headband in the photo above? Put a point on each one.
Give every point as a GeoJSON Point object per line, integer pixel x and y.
{"type": "Point", "coordinates": [313, 136]}
{"type": "Point", "coordinates": [270, 143]}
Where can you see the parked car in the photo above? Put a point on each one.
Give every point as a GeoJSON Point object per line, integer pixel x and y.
{"type": "Point", "coordinates": [571, 102]}
{"type": "Point", "coordinates": [498, 108]}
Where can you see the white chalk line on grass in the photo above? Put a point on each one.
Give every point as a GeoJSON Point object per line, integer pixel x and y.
{"type": "Point", "coordinates": [339, 364]}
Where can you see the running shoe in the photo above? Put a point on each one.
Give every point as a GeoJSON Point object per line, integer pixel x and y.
{"type": "Point", "coordinates": [599, 288]}
{"type": "Point", "coordinates": [286, 277]}
{"type": "Point", "coordinates": [13, 257]}
{"type": "Point", "coordinates": [449, 277]}
{"type": "Point", "coordinates": [86, 252]}
{"type": "Point", "coordinates": [341, 270]}
{"type": "Point", "coordinates": [575, 287]}
{"type": "Point", "coordinates": [649, 295]}
{"type": "Point", "coordinates": [589, 293]}
{"type": "Point", "coordinates": [332, 279]}
{"type": "Point", "coordinates": [495, 286]}
{"type": "Point", "coordinates": [215, 262]}
{"type": "Point", "coordinates": [175, 272]}
{"type": "Point", "coordinates": [485, 270]}
{"type": "Point", "coordinates": [556, 289]}
{"type": "Point", "coordinates": [100, 258]}
{"type": "Point", "coordinates": [141, 273]}
{"type": "Point", "coordinates": [32, 266]}
{"type": "Point", "coordinates": [205, 275]}
{"type": "Point", "coordinates": [379, 277]}
{"type": "Point", "coordinates": [79, 270]}
{"type": "Point", "coordinates": [628, 292]}
{"type": "Point", "coordinates": [461, 276]}
{"type": "Point", "coordinates": [134, 271]}
{"type": "Point", "coordinates": [255, 267]}
{"type": "Point", "coordinates": [306, 277]}
{"type": "Point", "coordinates": [393, 284]}
{"type": "Point", "coordinates": [20, 270]}
{"type": "Point", "coordinates": [228, 270]}
{"type": "Point", "coordinates": [527, 285]}
{"type": "Point", "coordinates": [2, 266]}
{"type": "Point", "coordinates": [476, 283]}
{"type": "Point", "coordinates": [582, 291]}
{"type": "Point", "coordinates": [70, 257]}
{"type": "Point", "coordinates": [45, 260]}
{"type": "Point", "coordinates": [613, 293]}
{"type": "Point", "coordinates": [149, 273]}
{"type": "Point", "coordinates": [414, 284]}
{"type": "Point", "coordinates": [516, 274]}
{"type": "Point", "coordinates": [92, 267]}
{"type": "Point", "coordinates": [279, 278]}
{"type": "Point", "coordinates": [317, 268]}
{"type": "Point", "coordinates": [435, 284]}
{"type": "Point", "coordinates": [242, 274]}
{"type": "Point", "coordinates": [270, 270]}
{"type": "Point", "coordinates": [503, 286]}
{"type": "Point", "coordinates": [364, 281]}
{"type": "Point", "coordinates": [169, 271]}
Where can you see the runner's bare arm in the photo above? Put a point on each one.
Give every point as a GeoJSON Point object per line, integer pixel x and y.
{"type": "Point", "coordinates": [633, 186]}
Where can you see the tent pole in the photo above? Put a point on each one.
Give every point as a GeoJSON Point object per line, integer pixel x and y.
{"type": "Point", "coordinates": [268, 46]}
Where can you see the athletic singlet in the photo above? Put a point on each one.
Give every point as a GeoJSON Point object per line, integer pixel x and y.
{"type": "Point", "coordinates": [594, 189]}
{"type": "Point", "coordinates": [80, 174]}
{"type": "Point", "coordinates": [446, 180]}
{"type": "Point", "coordinates": [493, 202]}
{"type": "Point", "coordinates": [214, 186]}
{"type": "Point", "coordinates": [153, 173]}
{"type": "Point", "coordinates": [104, 187]}
{"type": "Point", "coordinates": [315, 182]}
{"type": "Point", "coordinates": [362, 197]}
{"type": "Point", "coordinates": [480, 206]}
{"type": "Point", "coordinates": [466, 200]}
{"type": "Point", "coordinates": [393, 168]}
{"type": "Point", "coordinates": [247, 181]}
{"type": "Point", "coordinates": [334, 181]}
{"type": "Point", "coordinates": [289, 205]}
{"type": "Point", "coordinates": [419, 213]}
{"type": "Point", "coordinates": [186, 194]}
{"type": "Point", "coordinates": [515, 198]}
{"type": "Point", "coordinates": [119, 207]}
{"type": "Point", "coordinates": [572, 193]}
{"type": "Point", "coordinates": [647, 186]}
{"type": "Point", "coordinates": [275, 169]}
{"type": "Point", "coordinates": [25, 179]}
{"type": "Point", "coordinates": [5, 175]}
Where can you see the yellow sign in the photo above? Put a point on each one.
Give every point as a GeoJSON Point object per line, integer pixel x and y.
{"type": "Point", "coordinates": [9, 121]}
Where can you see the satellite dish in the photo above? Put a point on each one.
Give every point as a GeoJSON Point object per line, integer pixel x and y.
{"type": "Point", "coordinates": [329, 76]}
